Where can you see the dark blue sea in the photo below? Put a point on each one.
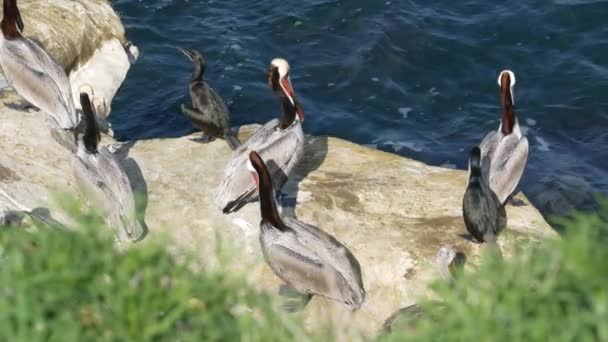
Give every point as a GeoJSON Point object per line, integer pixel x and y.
{"type": "Point", "coordinates": [416, 78]}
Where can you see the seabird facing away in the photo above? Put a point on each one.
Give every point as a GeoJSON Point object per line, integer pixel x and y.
{"type": "Point", "coordinates": [484, 215]}
{"type": "Point", "coordinates": [307, 259]}
{"type": "Point", "coordinates": [33, 73]}
{"type": "Point", "coordinates": [104, 181]}
{"type": "Point", "coordinates": [504, 152]}
{"type": "Point", "coordinates": [280, 142]}
{"type": "Point", "coordinates": [209, 112]}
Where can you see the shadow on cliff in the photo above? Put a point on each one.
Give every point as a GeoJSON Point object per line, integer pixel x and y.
{"type": "Point", "coordinates": [138, 184]}
{"type": "Point", "coordinates": [315, 152]}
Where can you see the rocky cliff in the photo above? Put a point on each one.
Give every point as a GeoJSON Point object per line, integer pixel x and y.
{"type": "Point", "coordinates": [391, 212]}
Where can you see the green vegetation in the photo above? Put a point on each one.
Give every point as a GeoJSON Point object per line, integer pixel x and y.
{"type": "Point", "coordinates": [555, 291]}
{"type": "Point", "coordinates": [63, 285]}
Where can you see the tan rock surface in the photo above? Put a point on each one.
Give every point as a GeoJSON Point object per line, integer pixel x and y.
{"type": "Point", "coordinates": [393, 214]}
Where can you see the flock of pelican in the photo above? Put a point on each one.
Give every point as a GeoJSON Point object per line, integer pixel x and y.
{"type": "Point", "coordinates": [309, 261]}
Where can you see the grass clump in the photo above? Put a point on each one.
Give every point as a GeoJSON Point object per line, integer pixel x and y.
{"type": "Point", "coordinates": [62, 285]}
{"type": "Point", "coordinates": [555, 291]}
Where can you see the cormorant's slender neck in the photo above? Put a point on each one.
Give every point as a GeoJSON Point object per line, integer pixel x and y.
{"type": "Point", "coordinates": [199, 70]}
{"type": "Point", "coordinates": [268, 205]}
{"type": "Point", "coordinates": [475, 175]}
{"type": "Point", "coordinates": [288, 111]}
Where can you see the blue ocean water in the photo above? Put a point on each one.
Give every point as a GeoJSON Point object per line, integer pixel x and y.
{"type": "Point", "coordinates": [417, 78]}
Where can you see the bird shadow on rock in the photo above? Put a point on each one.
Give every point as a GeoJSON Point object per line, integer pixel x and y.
{"type": "Point", "coordinates": [315, 152]}
{"type": "Point", "coordinates": [468, 237]}
{"type": "Point", "coordinates": [137, 182]}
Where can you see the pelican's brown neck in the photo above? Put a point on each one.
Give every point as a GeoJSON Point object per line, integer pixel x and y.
{"type": "Point", "coordinates": [508, 111]}
{"type": "Point", "coordinates": [268, 205]}
{"type": "Point", "coordinates": [281, 86]}
{"type": "Point", "coordinates": [11, 22]}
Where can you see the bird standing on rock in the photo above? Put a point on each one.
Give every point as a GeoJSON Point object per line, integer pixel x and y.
{"type": "Point", "coordinates": [484, 215]}
{"type": "Point", "coordinates": [104, 181]}
{"type": "Point", "coordinates": [504, 152]}
{"type": "Point", "coordinates": [280, 142]}
{"type": "Point", "coordinates": [208, 112]}
{"type": "Point", "coordinates": [310, 261]}
{"type": "Point", "coordinates": [33, 73]}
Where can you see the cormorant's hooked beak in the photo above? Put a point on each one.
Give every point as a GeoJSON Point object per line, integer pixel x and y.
{"type": "Point", "coordinates": [288, 90]}
{"type": "Point", "coordinates": [189, 53]}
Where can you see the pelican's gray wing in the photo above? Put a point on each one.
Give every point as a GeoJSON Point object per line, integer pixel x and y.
{"type": "Point", "coordinates": [258, 137]}
{"type": "Point", "coordinates": [279, 151]}
{"type": "Point", "coordinates": [297, 266]}
{"type": "Point", "coordinates": [508, 165]}
{"type": "Point", "coordinates": [105, 180]}
{"type": "Point", "coordinates": [488, 147]}
{"type": "Point", "coordinates": [338, 256]}
{"type": "Point", "coordinates": [39, 79]}
{"type": "Point", "coordinates": [314, 262]}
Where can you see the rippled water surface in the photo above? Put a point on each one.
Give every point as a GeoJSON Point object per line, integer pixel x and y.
{"type": "Point", "coordinates": [417, 78]}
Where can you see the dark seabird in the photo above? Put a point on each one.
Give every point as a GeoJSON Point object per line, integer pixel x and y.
{"type": "Point", "coordinates": [208, 112]}
{"type": "Point", "coordinates": [484, 214]}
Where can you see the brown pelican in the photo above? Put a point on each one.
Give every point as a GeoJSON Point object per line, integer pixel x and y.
{"type": "Point", "coordinates": [484, 214]}
{"type": "Point", "coordinates": [33, 73]}
{"type": "Point", "coordinates": [104, 180]}
{"type": "Point", "coordinates": [208, 113]}
{"type": "Point", "coordinates": [449, 264]}
{"type": "Point", "coordinates": [280, 142]}
{"type": "Point", "coordinates": [307, 259]}
{"type": "Point", "coordinates": [504, 152]}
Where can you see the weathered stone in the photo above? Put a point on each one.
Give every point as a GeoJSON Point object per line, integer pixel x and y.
{"type": "Point", "coordinates": [393, 214]}
{"type": "Point", "coordinates": [86, 38]}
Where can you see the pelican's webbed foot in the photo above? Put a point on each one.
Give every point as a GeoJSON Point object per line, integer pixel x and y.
{"type": "Point", "coordinates": [296, 300]}
{"type": "Point", "coordinates": [204, 139]}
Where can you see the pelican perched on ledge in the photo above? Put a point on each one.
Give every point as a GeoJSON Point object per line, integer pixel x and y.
{"type": "Point", "coordinates": [504, 152]}
{"type": "Point", "coordinates": [280, 142]}
{"type": "Point", "coordinates": [33, 73]}
{"type": "Point", "coordinates": [103, 180]}
{"type": "Point", "coordinates": [306, 258]}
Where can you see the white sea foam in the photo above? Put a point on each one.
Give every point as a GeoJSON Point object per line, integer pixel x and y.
{"type": "Point", "coordinates": [400, 145]}
{"type": "Point", "coordinates": [404, 111]}
{"type": "Point", "coordinates": [544, 145]}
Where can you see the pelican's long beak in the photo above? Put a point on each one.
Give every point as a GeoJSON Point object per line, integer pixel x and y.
{"type": "Point", "coordinates": [186, 52]}
{"type": "Point", "coordinates": [288, 89]}
{"type": "Point", "coordinates": [19, 20]}
{"type": "Point", "coordinates": [253, 172]}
